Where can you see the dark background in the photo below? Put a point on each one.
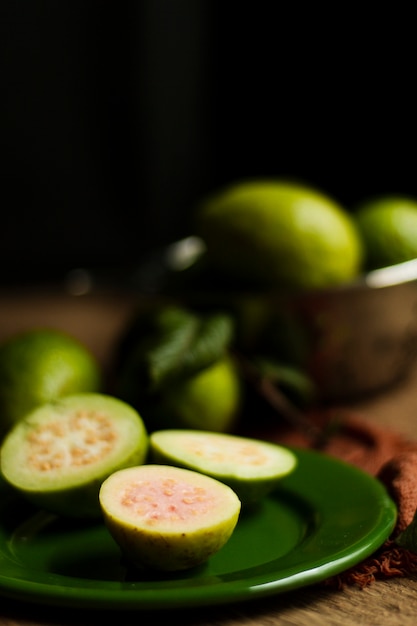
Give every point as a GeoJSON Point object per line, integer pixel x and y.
{"type": "Point", "coordinates": [117, 117]}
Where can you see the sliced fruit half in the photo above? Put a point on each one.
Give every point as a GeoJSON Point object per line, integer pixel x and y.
{"type": "Point", "coordinates": [251, 467]}
{"type": "Point", "coordinates": [168, 518]}
{"type": "Point", "coordinates": [58, 456]}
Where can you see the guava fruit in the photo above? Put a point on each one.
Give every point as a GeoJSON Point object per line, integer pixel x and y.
{"type": "Point", "coordinates": [168, 518]}
{"type": "Point", "coordinates": [278, 234]}
{"type": "Point", "coordinates": [60, 453]}
{"type": "Point", "coordinates": [40, 365]}
{"type": "Point", "coordinates": [174, 364]}
{"type": "Point", "coordinates": [251, 467]}
{"type": "Point", "coordinates": [208, 400]}
{"type": "Point", "coordinates": [388, 225]}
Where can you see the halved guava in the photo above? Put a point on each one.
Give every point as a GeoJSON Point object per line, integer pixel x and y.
{"type": "Point", "coordinates": [168, 518]}
{"type": "Point", "coordinates": [251, 467]}
{"type": "Point", "coordinates": [60, 453]}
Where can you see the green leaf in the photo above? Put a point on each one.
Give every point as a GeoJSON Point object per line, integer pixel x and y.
{"type": "Point", "coordinates": [174, 343]}
{"type": "Point", "coordinates": [175, 332]}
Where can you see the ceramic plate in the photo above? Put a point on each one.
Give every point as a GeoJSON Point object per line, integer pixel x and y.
{"type": "Point", "coordinates": [326, 517]}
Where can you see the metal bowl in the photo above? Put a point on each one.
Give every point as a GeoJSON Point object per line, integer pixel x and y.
{"type": "Point", "coordinates": [361, 337]}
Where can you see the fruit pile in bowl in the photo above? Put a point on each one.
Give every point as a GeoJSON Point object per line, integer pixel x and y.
{"type": "Point", "coordinates": [322, 297]}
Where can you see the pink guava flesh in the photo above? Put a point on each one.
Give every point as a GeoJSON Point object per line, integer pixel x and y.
{"type": "Point", "coordinates": [168, 518]}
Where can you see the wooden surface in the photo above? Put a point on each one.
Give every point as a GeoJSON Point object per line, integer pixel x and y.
{"type": "Point", "coordinates": [98, 320]}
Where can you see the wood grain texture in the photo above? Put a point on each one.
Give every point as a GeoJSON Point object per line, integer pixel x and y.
{"type": "Point", "coordinates": [390, 603]}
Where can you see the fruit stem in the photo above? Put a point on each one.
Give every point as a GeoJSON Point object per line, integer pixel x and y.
{"type": "Point", "coordinates": [278, 401]}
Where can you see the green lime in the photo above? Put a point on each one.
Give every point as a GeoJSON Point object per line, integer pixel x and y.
{"type": "Point", "coordinates": [279, 234]}
{"type": "Point", "coordinates": [388, 225]}
{"type": "Point", "coordinates": [39, 366]}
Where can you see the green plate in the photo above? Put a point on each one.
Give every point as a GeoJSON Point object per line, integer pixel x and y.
{"type": "Point", "coordinates": [326, 517]}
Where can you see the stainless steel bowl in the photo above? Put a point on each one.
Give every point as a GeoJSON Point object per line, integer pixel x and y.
{"type": "Point", "coordinates": [362, 337]}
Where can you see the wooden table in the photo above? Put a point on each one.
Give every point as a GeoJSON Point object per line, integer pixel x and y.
{"type": "Point", "coordinates": [97, 320]}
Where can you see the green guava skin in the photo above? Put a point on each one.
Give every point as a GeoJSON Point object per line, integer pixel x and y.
{"type": "Point", "coordinates": [75, 498]}
{"type": "Point", "coordinates": [176, 552]}
{"type": "Point", "coordinates": [277, 234]}
{"type": "Point", "coordinates": [208, 400]}
{"type": "Point", "coordinates": [39, 366]}
{"type": "Point", "coordinates": [250, 490]}
{"type": "Point", "coordinates": [174, 548]}
{"type": "Point", "coordinates": [388, 225]}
